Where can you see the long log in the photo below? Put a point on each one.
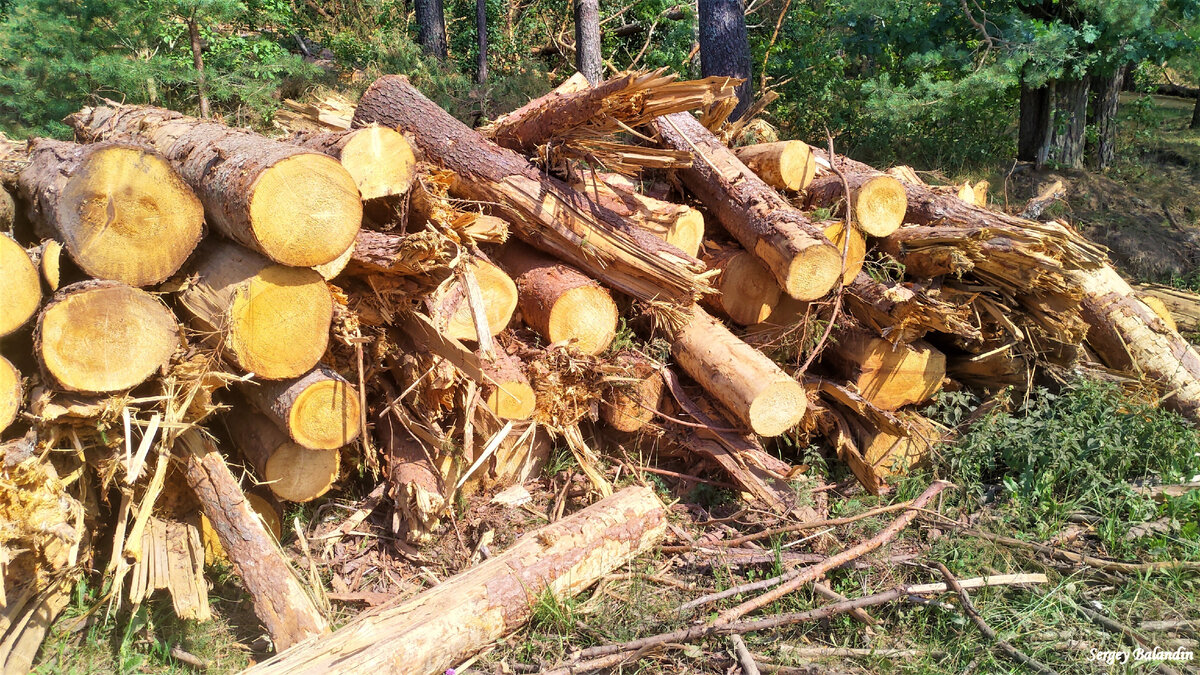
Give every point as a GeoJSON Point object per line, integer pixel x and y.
{"type": "Point", "coordinates": [786, 165]}
{"type": "Point", "coordinates": [22, 288]}
{"type": "Point", "coordinates": [121, 211]}
{"type": "Point", "coordinates": [878, 202]}
{"type": "Point", "coordinates": [545, 212]}
{"type": "Point", "coordinates": [280, 600]}
{"type": "Point", "coordinates": [805, 264]}
{"type": "Point", "coordinates": [268, 319]}
{"type": "Point", "coordinates": [678, 225]}
{"type": "Point", "coordinates": [295, 206]}
{"type": "Point", "coordinates": [439, 628]}
{"type": "Point", "coordinates": [293, 472]}
{"type": "Point", "coordinates": [380, 160]}
{"type": "Point", "coordinates": [319, 410]}
{"type": "Point", "coordinates": [12, 393]}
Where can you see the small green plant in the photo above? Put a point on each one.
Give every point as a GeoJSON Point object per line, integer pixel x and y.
{"type": "Point", "coordinates": [550, 614]}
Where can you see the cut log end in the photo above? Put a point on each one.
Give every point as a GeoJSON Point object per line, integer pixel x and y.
{"type": "Point", "coordinates": [813, 272]}
{"type": "Point", "coordinates": [279, 326]}
{"type": "Point", "coordinates": [512, 400]}
{"type": "Point", "coordinates": [779, 406]}
{"type": "Point", "coordinates": [747, 291]}
{"type": "Point", "coordinates": [499, 294]}
{"type": "Point", "coordinates": [22, 290]}
{"type": "Point", "coordinates": [856, 250]}
{"type": "Point", "coordinates": [787, 165]}
{"type": "Point", "coordinates": [381, 162]}
{"type": "Point", "coordinates": [586, 317]}
{"type": "Point", "coordinates": [880, 205]}
{"type": "Point", "coordinates": [687, 232]}
{"type": "Point", "coordinates": [51, 264]}
{"type": "Point", "coordinates": [892, 376]}
{"type": "Point", "coordinates": [105, 336]}
{"type": "Point", "coordinates": [325, 415]}
{"type": "Point", "coordinates": [11, 393]}
{"type": "Point", "coordinates": [305, 210]}
{"type": "Point", "coordinates": [298, 474]}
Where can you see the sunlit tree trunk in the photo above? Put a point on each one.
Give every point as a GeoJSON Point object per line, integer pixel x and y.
{"type": "Point", "coordinates": [198, 62]}
{"type": "Point", "coordinates": [587, 40]}
{"type": "Point", "coordinates": [481, 71]}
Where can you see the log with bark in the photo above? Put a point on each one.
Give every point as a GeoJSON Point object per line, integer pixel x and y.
{"type": "Point", "coordinates": [786, 165]}
{"type": "Point", "coordinates": [545, 212]}
{"type": "Point", "coordinates": [1184, 306]}
{"type": "Point", "coordinates": [379, 159]}
{"type": "Point", "coordinates": [295, 206]}
{"type": "Point", "coordinates": [121, 210]}
{"type": "Point", "coordinates": [280, 599]}
{"type": "Point", "coordinates": [22, 287]}
{"type": "Point", "coordinates": [901, 313]}
{"type": "Point", "coordinates": [104, 336]}
{"type": "Point", "coordinates": [678, 225]}
{"type": "Point", "coordinates": [320, 410]}
{"type": "Point", "coordinates": [267, 319]}
{"type": "Point", "coordinates": [889, 376]}
{"type": "Point", "coordinates": [439, 628]}
{"type": "Point", "coordinates": [746, 290]}
{"type": "Point", "coordinates": [877, 201]}
{"type": "Point", "coordinates": [415, 483]}
{"type": "Point", "coordinates": [855, 250]}
{"type": "Point", "coordinates": [12, 393]}
{"type": "Point", "coordinates": [293, 472]}
{"type": "Point", "coordinates": [392, 254]}
{"type": "Point", "coordinates": [559, 302]}
{"type": "Point", "coordinates": [632, 393]}
{"type": "Point", "coordinates": [805, 264]}
{"type": "Point", "coordinates": [451, 306]}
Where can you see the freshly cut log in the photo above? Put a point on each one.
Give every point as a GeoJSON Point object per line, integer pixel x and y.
{"type": "Point", "coordinates": [397, 254]}
{"type": "Point", "coordinates": [1184, 306]}
{"type": "Point", "coordinates": [748, 384]}
{"type": "Point", "coordinates": [544, 211]}
{"type": "Point", "coordinates": [293, 472]}
{"type": "Point", "coordinates": [295, 206]}
{"type": "Point", "coordinates": [451, 308]}
{"type": "Point", "coordinates": [856, 250]}
{"type": "Point", "coordinates": [333, 268]}
{"type": "Point", "coordinates": [102, 336]}
{"type": "Point", "coordinates": [446, 624]}
{"type": "Point", "coordinates": [632, 394]}
{"type": "Point", "coordinates": [878, 202]}
{"type": "Point", "coordinates": [890, 453]}
{"type": "Point", "coordinates": [786, 165]}
{"type": "Point", "coordinates": [746, 290]}
{"type": "Point", "coordinates": [1127, 335]}
{"type": "Point", "coordinates": [319, 410]}
{"type": "Point", "coordinates": [379, 159]}
{"type": "Point", "coordinates": [889, 376]}
{"type": "Point", "coordinates": [268, 319]}
{"type": "Point", "coordinates": [47, 257]}
{"type": "Point", "coordinates": [804, 263]}
{"type": "Point", "coordinates": [678, 225]}
{"type": "Point", "coordinates": [506, 390]}
{"type": "Point", "coordinates": [281, 601]}
{"type": "Point", "coordinates": [12, 393]}
{"type": "Point", "coordinates": [559, 302]}
{"type": "Point", "coordinates": [22, 290]}
{"type": "Point", "coordinates": [121, 210]}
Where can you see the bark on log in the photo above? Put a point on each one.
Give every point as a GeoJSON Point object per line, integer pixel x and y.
{"type": "Point", "coordinates": [396, 254]}
{"type": "Point", "coordinates": [678, 225]}
{"type": "Point", "coordinates": [319, 410]}
{"type": "Point", "coordinates": [22, 289]}
{"type": "Point", "coordinates": [451, 308]}
{"type": "Point", "coordinates": [746, 290]}
{"type": "Point", "coordinates": [280, 600]}
{"type": "Point", "coordinates": [295, 206]}
{"type": "Point", "coordinates": [415, 485]}
{"type": "Point", "coordinates": [889, 376]}
{"type": "Point", "coordinates": [1183, 305]}
{"type": "Point", "coordinates": [293, 472]}
{"type": "Point", "coordinates": [559, 302]}
{"type": "Point", "coordinates": [725, 46]}
{"type": "Point", "coordinates": [747, 383]}
{"type": "Point", "coordinates": [805, 264]}
{"type": "Point", "coordinates": [545, 212]}
{"type": "Point", "coordinates": [901, 313]}
{"type": "Point", "coordinates": [878, 202]}
{"type": "Point", "coordinates": [506, 390]}
{"type": "Point", "coordinates": [268, 319]}
{"type": "Point", "coordinates": [439, 628]}
{"type": "Point", "coordinates": [104, 336]}
{"type": "Point", "coordinates": [12, 393]}
{"type": "Point", "coordinates": [632, 394]}
{"type": "Point", "coordinates": [785, 165]}
{"type": "Point", "coordinates": [379, 159]}
{"type": "Point", "coordinates": [121, 211]}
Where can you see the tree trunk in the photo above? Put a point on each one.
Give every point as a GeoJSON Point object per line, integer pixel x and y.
{"type": "Point", "coordinates": [878, 202]}
{"type": "Point", "coordinates": [380, 160]}
{"type": "Point", "coordinates": [481, 41]}
{"type": "Point", "coordinates": [1108, 90]}
{"type": "Point", "coordinates": [786, 165]}
{"type": "Point", "coordinates": [22, 287]}
{"type": "Point", "coordinates": [1070, 124]}
{"type": "Point", "coordinates": [104, 336]}
{"type": "Point", "coordinates": [319, 410]}
{"type": "Point", "coordinates": [442, 626]}
{"type": "Point", "coordinates": [559, 302]}
{"type": "Point", "coordinates": [121, 211]}
{"type": "Point", "coordinates": [746, 291]}
{"type": "Point", "coordinates": [506, 389]}
{"type": "Point", "coordinates": [198, 63]}
{"type": "Point", "coordinates": [544, 211]}
{"type": "Point", "coordinates": [747, 383]}
{"type": "Point", "coordinates": [678, 225]}
{"type": "Point", "coordinates": [451, 306]}
{"type": "Point", "coordinates": [293, 472]}
{"type": "Point", "coordinates": [12, 393]}
{"type": "Point", "coordinates": [295, 206]}
{"type": "Point", "coordinates": [889, 376]}
{"type": "Point", "coordinates": [632, 395]}
{"type": "Point", "coordinates": [805, 264]}
{"type": "Point", "coordinates": [587, 40]}
{"type": "Point", "coordinates": [725, 46]}
{"type": "Point", "coordinates": [1036, 124]}
{"type": "Point", "coordinates": [431, 27]}
{"type": "Point", "coordinates": [268, 319]}
{"type": "Point", "coordinates": [1195, 124]}
{"type": "Point", "coordinates": [280, 600]}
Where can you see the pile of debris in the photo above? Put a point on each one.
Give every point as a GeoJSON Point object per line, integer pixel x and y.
{"type": "Point", "coordinates": [387, 292]}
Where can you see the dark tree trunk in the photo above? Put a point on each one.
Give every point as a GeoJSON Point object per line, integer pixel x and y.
{"type": "Point", "coordinates": [1036, 123]}
{"type": "Point", "coordinates": [725, 46]}
{"type": "Point", "coordinates": [1195, 115]}
{"type": "Point", "coordinates": [1067, 141]}
{"type": "Point", "coordinates": [587, 40]}
{"type": "Point", "coordinates": [198, 62]}
{"type": "Point", "coordinates": [481, 71]}
{"type": "Point", "coordinates": [1104, 113]}
{"type": "Point", "coordinates": [431, 27]}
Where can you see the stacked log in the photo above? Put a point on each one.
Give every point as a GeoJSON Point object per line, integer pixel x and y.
{"type": "Point", "coordinates": [22, 287]}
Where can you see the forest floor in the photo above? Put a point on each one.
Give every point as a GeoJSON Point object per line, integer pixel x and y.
{"type": "Point", "coordinates": [1051, 468]}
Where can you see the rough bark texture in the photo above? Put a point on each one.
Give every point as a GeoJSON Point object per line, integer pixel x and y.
{"type": "Point", "coordinates": [294, 473]}
{"type": "Point", "coordinates": [481, 42]}
{"type": "Point", "coordinates": [878, 201]}
{"type": "Point", "coordinates": [380, 160]}
{"type": "Point", "coordinates": [431, 27]}
{"type": "Point", "coordinates": [448, 623]}
{"type": "Point", "coordinates": [120, 210]}
{"type": "Point", "coordinates": [804, 262]}
{"type": "Point", "coordinates": [396, 254]}
{"type": "Point", "coordinates": [22, 289]}
{"type": "Point", "coordinates": [12, 393]}
{"type": "Point", "coordinates": [280, 600]}
{"type": "Point", "coordinates": [319, 410]}
{"type": "Point", "coordinates": [295, 206]}
{"type": "Point", "coordinates": [1108, 90]}
{"type": "Point", "coordinates": [746, 291]}
{"type": "Point", "coordinates": [8, 210]}
{"type": "Point", "coordinates": [587, 40]}
{"type": "Point", "coordinates": [1036, 124]}
{"type": "Point", "coordinates": [544, 117]}
{"type": "Point", "coordinates": [632, 394]}
{"type": "Point", "coordinates": [725, 46]}
{"type": "Point", "coordinates": [1067, 139]}
{"type": "Point", "coordinates": [901, 313]}
{"type": "Point", "coordinates": [545, 212]}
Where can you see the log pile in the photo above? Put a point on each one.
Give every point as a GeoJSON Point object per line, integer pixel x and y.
{"type": "Point", "coordinates": [386, 293]}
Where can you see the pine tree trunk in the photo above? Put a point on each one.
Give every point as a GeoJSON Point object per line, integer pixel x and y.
{"type": "Point", "coordinates": [1036, 123]}
{"type": "Point", "coordinates": [746, 291]}
{"type": "Point", "coordinates": [481, 40]}
{"type": "Point", "coordinates": [431, 27]}
{"type": "Point", "coordinates": [725, 46]}
{"type": "Point", "coordinates": [677, 224]}
{"type": "Point", "coordinates": [198, 63]}
{"type": "Point", "coordinates": [1108, 90]}
{"type": "Point", "coordinates": [1067, 140]}
{"type": "Point", "coordinates": [878, 200]}
{"type": "Point", "coordinates": [587, 40]}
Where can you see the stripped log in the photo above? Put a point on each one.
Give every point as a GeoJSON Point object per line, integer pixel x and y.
{"type": "Point", "coordinates": [295, 206]}
{"type": "Point", "coordinates": [281, 601]}
{"type": "Point", "coordinates": [450, 306]}
{"type": "Point", "coordinates": [319, 410]}
{"type": "Point", "coordinates": [380, 160]}
{"type": "Point", "coordinates": [678, 225]}
{"type": "Point", "coordinates": [437, 629]}
{"type": "Point", "coordinates": [293, 472]}
{"type": "Point", "coordinates": [746, 290]}
{"type": "Point", "coordinates": [877, 201]}
{"type": "Point", "coordinates": [12, 393]}
{"type": "Point", "coordinates": [889, 376]}
{"type": "Point", "coordinates": [632, 394]}
{"type": "Point", "coordinates": [22, 289]}
{"type": "Point", "coordinates": [804, 263]}
{"type": "Point", "coordinates": [786, 165]}
{"type": "Point", "coordinates": [121, 211]}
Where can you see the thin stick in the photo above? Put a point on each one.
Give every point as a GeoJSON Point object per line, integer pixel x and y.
{"type": "Point", "coordinates": [1081, 558]}
{"type": "Point", "coordinates": [745, 658]}
{"type": "Point", "coordinates": [969, 609]}
{"type": "Point", "coordinates": [830, 594]}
